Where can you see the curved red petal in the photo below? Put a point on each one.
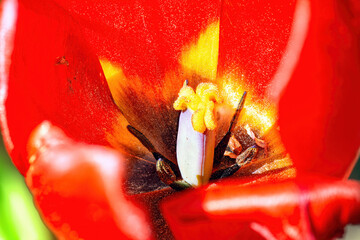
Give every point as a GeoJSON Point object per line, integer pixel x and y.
{"type": "Point", "coordinates": [78, 189]}
{"type": "Point", "coordinates": [55, 76]}
{"type": "Point", "coordinates": [319, 108]}
{"type": "Point", "coordinates": [148, 45]}
{"type": "Point", "coordinates": [144, 37]}
{"type": "Point", "coordinates": [286, 210]}
{"type": "Point", "coordinates": [145, 40]}
{"type": "Point", "coordinates": [8, 10]}
{"type": "Point", "coordinates": [253, 37]}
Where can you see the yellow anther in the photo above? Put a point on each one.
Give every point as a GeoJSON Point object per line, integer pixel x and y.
{"type": "Point", "coordinates": [202, 103]}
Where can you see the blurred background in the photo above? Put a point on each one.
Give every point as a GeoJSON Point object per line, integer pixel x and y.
{"type": "Point", "coordinates": [19, 219]}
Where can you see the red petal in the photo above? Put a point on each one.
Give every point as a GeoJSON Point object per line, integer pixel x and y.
{"type": "Point", "coordinates": [78, 189]}
{"type": "Point", "coordinates": [54, 76]}
{"type": "Point", "coordinates": [8, 16]}
{"type": "Point", "coordinates": [319, 109]}
{"type": "Point", "coordinates": [253, 36]}
{"type": "Point", "coordinates": [145, 39]}
{"type": "Point", "coordinates": [284, 210]}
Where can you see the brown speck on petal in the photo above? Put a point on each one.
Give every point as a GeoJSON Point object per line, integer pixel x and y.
{"type": "Point", "coordinates": [62, 61]}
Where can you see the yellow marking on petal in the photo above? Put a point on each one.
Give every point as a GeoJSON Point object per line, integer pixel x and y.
{"type": "Point", "coordinates": [113, 74]}
{"type": "Point", "coordinates": [201, 57]}
{"type": "Point", "coordinates": [259, 114]}
{"type": "Point", "coordinates": [109, 68]}
{"type": "Point", "coordinates": [255, 113]}
{"type": "Point", "coordinates": [202, 103]}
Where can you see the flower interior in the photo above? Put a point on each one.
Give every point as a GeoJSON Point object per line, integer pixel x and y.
{"type": "Point", "coordinates": [209, 110]}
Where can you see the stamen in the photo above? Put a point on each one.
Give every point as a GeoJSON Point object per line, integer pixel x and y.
{"type": "Point", "coordinates": [220, 148]}
{"type": "Point", "coordinates": [259, 142]}
{"type": "Point", "coordinates": [202, 103]}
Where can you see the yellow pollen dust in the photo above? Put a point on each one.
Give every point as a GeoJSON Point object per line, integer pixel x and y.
{"type": "Point", "coordinates": [202, 103]}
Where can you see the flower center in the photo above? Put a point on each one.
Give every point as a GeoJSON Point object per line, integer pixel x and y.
{"type": "Point", "coordinates": [202, 103]}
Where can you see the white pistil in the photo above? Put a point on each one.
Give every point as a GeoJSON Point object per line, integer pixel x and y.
{"type": "Point", "coordinates": [194, 151]}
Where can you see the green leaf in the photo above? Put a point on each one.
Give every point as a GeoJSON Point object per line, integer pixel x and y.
{"type": "Point", "coordinates": [19, 218]}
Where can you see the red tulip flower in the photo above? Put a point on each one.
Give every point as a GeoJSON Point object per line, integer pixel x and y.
{"type": "Point", "coordinates": [75, 74]}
